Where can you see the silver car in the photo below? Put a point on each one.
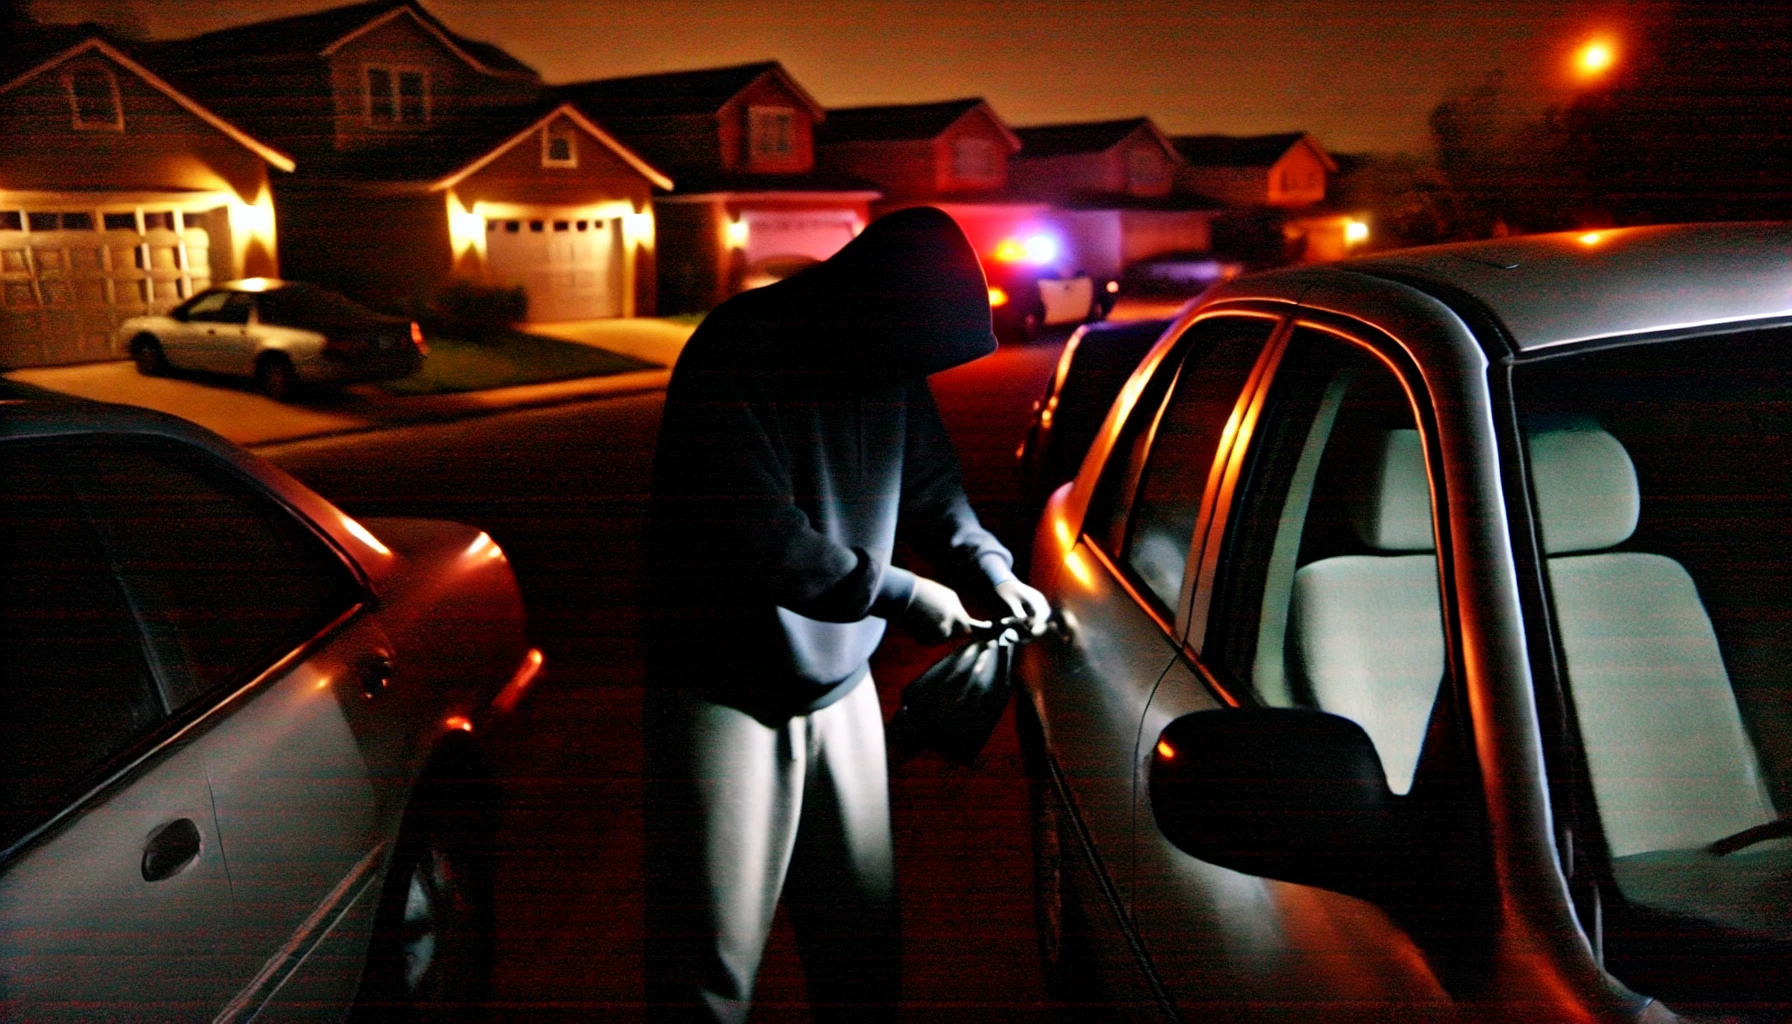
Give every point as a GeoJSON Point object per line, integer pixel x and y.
{"type": "Point", "coordinates": [284, 334]}
{"type": "Point", "coordinates": [1423, 645]}
{"type": "Point", "coordinates": [242, 733]}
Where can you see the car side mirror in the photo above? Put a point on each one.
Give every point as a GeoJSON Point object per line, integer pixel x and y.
{"type": "Point", "coordinates": [1284, 793]}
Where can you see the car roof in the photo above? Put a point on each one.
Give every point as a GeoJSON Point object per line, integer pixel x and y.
{"type": "Point", "coordinates": [1577, 286]}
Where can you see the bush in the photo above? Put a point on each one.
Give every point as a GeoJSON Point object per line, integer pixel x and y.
{"type": "Point", "coordinates": [477, 311]}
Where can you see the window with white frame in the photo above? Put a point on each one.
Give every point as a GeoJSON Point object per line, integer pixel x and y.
{"type": "Point", "coordinates": [974, 159]}
{"type": "Point", "coordinates": [559, 147]}
{"type": "Point", "coordinates": [397, 97]}
{"type": "Point", "coordinates": [771, 132]}
{"type": "Point", "coordinates": [93, 99]}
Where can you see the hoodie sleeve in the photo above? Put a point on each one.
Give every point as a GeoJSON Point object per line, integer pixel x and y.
{"type": "Point", "coordinates": [732, 497]}
{"type": "Point", "coordinates": [936, 515]}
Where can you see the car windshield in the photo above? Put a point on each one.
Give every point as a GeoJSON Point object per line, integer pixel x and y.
{"type": "Point", "coordinates": [305, 304]}
{"type": "Point", "coordinates": [1658, 478]}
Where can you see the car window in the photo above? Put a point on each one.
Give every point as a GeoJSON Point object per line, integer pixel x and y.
{"type": "Point", "coordinates": [77, 690]}
{"type": "Point", "coordinates": [1150, 495]}
{"type": "Point", "coordinates": [226, 581]}
{"type": "Point", "coordinates": [1326, 591]}
{"type": "Point", "coordinates": [206, 307]}
{"type": "Point", "coordinates": [1661, 491]}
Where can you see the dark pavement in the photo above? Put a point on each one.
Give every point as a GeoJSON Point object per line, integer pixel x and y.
{"type": "Point", "coordinates": [563, 490]}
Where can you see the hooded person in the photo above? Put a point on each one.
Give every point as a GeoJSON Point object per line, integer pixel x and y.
{"type": "Point", "coordinates": [799, 439]}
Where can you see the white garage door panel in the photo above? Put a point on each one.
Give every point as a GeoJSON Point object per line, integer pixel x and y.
{"type": "Point", "coordinates": [569, 274]}
{"type": "Point", "coordinates": [816, 234]}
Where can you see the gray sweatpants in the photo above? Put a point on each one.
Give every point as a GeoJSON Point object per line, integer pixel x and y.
{"type": "Point", "coordinates": [739, 813]}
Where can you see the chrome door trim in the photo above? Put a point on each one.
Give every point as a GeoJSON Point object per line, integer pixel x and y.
{"type": "Point", "coordinates": [293, 951]}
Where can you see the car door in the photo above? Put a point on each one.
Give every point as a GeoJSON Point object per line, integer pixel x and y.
{"type": "Point", "coordinates": [1317, 588]}
{"type": "Point", "coordinates": [1119, 595]}
{"type": "Point", "coordinates": [252, 610]}
{"type": "Point", "coordinates": [114, 899]}
{"type": "Point", "coordinates": [185, 339]}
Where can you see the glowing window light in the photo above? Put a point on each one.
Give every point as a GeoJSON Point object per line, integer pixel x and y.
{"type": "Point", "coordinates": [1355, 232]}
{"type": "Point", "coordinates": [737, 234]}
{"type": "Point", "coordinates": [1040, 249]}
{"type": "Point", "coordinates": [997, 297]}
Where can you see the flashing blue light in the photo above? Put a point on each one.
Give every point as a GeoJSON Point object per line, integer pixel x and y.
{"type": "Point", "coordinates": [1041, 249]}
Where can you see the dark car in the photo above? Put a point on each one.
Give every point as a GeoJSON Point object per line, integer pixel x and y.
{"type": "Point", "coordinates": [1031, 288]}
{"type": "Point", "coordinates": [1095, 365]}
{"type": "Point", "coordinates": [281, 333]}
{"type": "Point", "coordinates": [1421, 647]}
{"type": "Point", "coordinates": [243, 768]}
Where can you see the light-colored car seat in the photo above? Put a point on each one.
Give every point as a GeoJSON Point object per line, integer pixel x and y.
{"type": "Point", "coordinates": [1365, 631]}
{"type": "Point", "coordinates": [1671, 766]}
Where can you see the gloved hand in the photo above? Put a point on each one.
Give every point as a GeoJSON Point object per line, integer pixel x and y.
{"type": "Point", "coordinates": [1026, 603]}
{"type": "Point", "coordinates": [935, 613]}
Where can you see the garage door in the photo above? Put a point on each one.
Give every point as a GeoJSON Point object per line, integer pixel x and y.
{"type": "Point", "coordinates": [571, 267]}
{"type": "Point", "coordinates": [816, 234]}
{"type": "Point", "coordinates": [68, 277]}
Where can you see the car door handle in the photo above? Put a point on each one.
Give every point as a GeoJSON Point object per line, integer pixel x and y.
{"type": "Point", "coordinates": [376, 675]}
{"type": "Point", "coordinates": [170, 849]}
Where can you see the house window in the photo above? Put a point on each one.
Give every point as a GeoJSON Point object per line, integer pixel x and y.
{"type": "Point", "coordinates": [771, 132]}
{"type": "Point", "coordinates": [974, 159]}
{"type": "Point", "coordinates": [1145, 170]}
{"type": "Point", "coordinates": [397, 97]}
{"type": "Point", "coordinates": [93, 97]}
{"type": "Point", "coordinates": [559, 149]}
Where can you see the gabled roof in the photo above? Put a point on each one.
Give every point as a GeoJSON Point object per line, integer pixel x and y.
{"type": "Point", "coordinates": [59, 45]}
{"type": "Point", "coordinates": [1244, 150]}
{"type": "Point", "coordinates": [903, 122]}
{"type": "Point", "coordinates": [672, 93]}
{"type": "Point", "coordinates": [1085, 137]}
{"type": "Point", "coordinates": [441, 162]}
{"type": "Point", "coordinates": [320, 33]}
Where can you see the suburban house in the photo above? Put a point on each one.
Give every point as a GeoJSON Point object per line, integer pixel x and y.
{"type": "Point", "coordinates": [120, 195]}
{"type": "Point", "coordinates": [750, 204]}
{"type": "Point", "coordinates": [426, 157]}
{"type": "Point", "coordinates": [1285, 172]}
{"type": "Point", "coordinates": [953, 155]}
{"type": "Point", "coordinates": [1113, 186]}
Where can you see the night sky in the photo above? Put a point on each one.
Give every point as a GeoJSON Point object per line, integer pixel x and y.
{"type": "Point", "coordinates": [1359, 74]}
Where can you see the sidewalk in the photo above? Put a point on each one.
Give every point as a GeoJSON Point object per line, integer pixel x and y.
{"type": "Point", "coordinates": [236, 410]}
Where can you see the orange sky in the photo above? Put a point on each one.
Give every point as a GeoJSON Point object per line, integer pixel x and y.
{"type": "Point", "coordinates": [1360, 74]}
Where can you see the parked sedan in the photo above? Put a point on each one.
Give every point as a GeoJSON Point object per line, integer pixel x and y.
{"type": "Point", "coordinates": [282, 333]}
{"type": "Point", "coordinates": [242, 733]}
{"type": "Point", "coordinates": [1421, 650]}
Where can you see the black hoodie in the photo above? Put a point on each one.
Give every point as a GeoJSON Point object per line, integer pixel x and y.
{"type": "Point", "coordinates": [799, 431]}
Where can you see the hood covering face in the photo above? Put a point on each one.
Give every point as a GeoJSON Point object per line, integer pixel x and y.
{"type": "Point", "coordinates": [904, 299]}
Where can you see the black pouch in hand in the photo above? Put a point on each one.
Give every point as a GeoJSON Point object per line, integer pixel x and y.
{"type": "Point", "coordinates": [953, 706]}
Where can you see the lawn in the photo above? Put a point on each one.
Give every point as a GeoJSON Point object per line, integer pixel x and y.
{"type": "Point", "coordinates": [513, 357]}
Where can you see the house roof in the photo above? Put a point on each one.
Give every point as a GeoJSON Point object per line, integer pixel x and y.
{"type": "Point", "coordinates": [440, 162]}
{"type": "Point", "coordinates": [695, 182]}
{"type": "Point", "coordinates": [1243, 150]}
{"type": "Point", "coordinates": [320, 33]}
{"type": "Point", "coordinates": [31, 53]}
{"type": "Point", "coordinates": [902, 122]}
{"type": "Point", "coordinates": [1083, 137]}
{"type": "Point", "coordinates": [672, 93]}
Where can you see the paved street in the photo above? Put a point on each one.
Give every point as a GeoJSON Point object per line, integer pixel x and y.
{"type": "Point", "coordinates": [563, 490]}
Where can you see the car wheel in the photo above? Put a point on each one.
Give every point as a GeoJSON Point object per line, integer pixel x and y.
{"type": "Point", "coordinates": [146, 352]}
{"type": "Point", "coordinates": [275, 374]}
{"type": "Point", "coordinates": [433, 938]}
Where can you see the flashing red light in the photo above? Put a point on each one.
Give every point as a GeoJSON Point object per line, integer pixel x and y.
{"type": "Point", "coordinates": [997, 297]}
{"type": "Point", "coordinates": [1011, 251]}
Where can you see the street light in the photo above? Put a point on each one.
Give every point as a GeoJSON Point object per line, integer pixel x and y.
{"type": "Point", "coordinates": [1595, 58]}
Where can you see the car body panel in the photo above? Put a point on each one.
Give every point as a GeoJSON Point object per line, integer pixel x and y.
{"type": "Point", "coordinates": [298, 779]}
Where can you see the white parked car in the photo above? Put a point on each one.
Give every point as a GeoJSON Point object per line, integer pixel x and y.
{"type": "Point", "coordinates": [282, 333]}
{"type": "Point", "coordinates": [241, 734]}
{"type": "Point", "coordinates": [1423, 645]}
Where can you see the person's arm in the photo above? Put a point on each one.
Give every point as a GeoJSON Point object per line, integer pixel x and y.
{"type": "Point", "coordinates": [936, 513]}
{"type": "Point", "coordinates": [730, 493]}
